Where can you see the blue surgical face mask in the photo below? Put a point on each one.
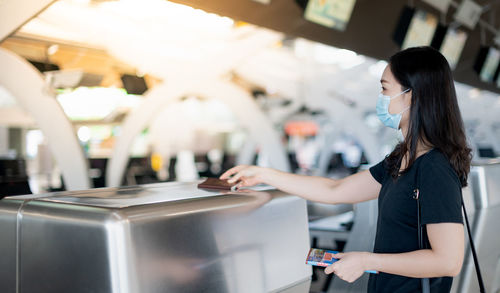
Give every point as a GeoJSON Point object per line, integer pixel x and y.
{"type": "Point", "coordinates": [388, 119]}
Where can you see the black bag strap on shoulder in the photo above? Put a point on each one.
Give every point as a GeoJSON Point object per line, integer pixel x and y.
{"type": "Point", "coordinates": [420, 228]}
{"type": "Point", "coordinates": [421, 244]}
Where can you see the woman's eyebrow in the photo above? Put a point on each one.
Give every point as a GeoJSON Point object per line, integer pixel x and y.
{"type": "Point", "coordinates": [383, 80]}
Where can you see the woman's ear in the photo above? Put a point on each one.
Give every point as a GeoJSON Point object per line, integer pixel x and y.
{"type": "Point", "coordinates": [407, 97]}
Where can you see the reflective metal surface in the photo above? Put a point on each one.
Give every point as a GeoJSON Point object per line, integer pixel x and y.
{"type": "Point", "coordinates": [316, 210]}
{"type": "Point", "coordinates": [485, 176]}
{"type": "Point", "coordinates": [8, 230]}
{"type": "Point", "coordinates": [484, 215]}
{"type": "Point", "coordinates": [155, 238]}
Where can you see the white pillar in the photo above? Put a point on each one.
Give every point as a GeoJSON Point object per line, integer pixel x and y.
{"type": "Point", "coordinates": [27, 85]}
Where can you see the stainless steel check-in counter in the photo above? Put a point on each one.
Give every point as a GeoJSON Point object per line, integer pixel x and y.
{"type": "Point", "coordinates": [168, 237]}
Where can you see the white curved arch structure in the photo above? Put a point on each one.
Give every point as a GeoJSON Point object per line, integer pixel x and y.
{"type": "Point", "coordinates": [239, 101]}
{"type": "Point", "coordinates": [27, 85]}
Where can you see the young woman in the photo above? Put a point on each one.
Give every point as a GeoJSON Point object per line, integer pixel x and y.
{"type": "Point", "coordinates": [418, 96]}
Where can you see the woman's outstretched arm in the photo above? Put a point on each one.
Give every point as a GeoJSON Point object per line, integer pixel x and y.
{"type": "Point", "coordinates": [352, 189]}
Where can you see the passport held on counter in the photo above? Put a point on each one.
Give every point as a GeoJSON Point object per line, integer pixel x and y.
{"type": "Point", "coordinates": [217, 184]}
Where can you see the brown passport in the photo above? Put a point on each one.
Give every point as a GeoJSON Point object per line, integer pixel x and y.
{"type": "Point", "coordinates": [217, 184]}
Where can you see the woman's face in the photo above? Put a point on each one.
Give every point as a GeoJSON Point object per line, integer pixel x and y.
{"type": "Point", "coordinates": [391, 87]}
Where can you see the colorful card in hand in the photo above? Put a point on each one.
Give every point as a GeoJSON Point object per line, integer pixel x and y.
{"type": "Point", "coordinates": [324, 258]}
{"type": "Point", "coordinates": [217, 184]}
{"type": "Point", "coordinates": [320, 257]}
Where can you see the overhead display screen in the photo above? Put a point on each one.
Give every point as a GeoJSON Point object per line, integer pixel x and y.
{"type": "Point", "coordinates": [452, 46]}
{"type": "Point", "coordinates": [330, 13]}
{"type": "Point", "coordinates": [490, 65]}
{"type": "Point", "coordinates": [421, 30]}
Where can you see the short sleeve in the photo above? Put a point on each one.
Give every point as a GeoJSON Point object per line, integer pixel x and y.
{"type": "Point", "coordinates": [440, 193]}
{"type": "Point", "coordinates": [379, 172]}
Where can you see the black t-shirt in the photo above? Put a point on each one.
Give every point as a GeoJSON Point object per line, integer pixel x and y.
{"type": "Point", "coordinates": [440, 201]}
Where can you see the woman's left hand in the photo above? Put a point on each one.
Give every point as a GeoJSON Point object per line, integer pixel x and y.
{"type": "Point", "coordinates": [350, 265]}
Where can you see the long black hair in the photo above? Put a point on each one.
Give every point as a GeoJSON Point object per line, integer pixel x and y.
{"type": "Point", "coordinates": [435, 118]}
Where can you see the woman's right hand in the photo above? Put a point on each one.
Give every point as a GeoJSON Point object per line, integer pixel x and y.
{"type": "Point", "coordinates": [244, 175]}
